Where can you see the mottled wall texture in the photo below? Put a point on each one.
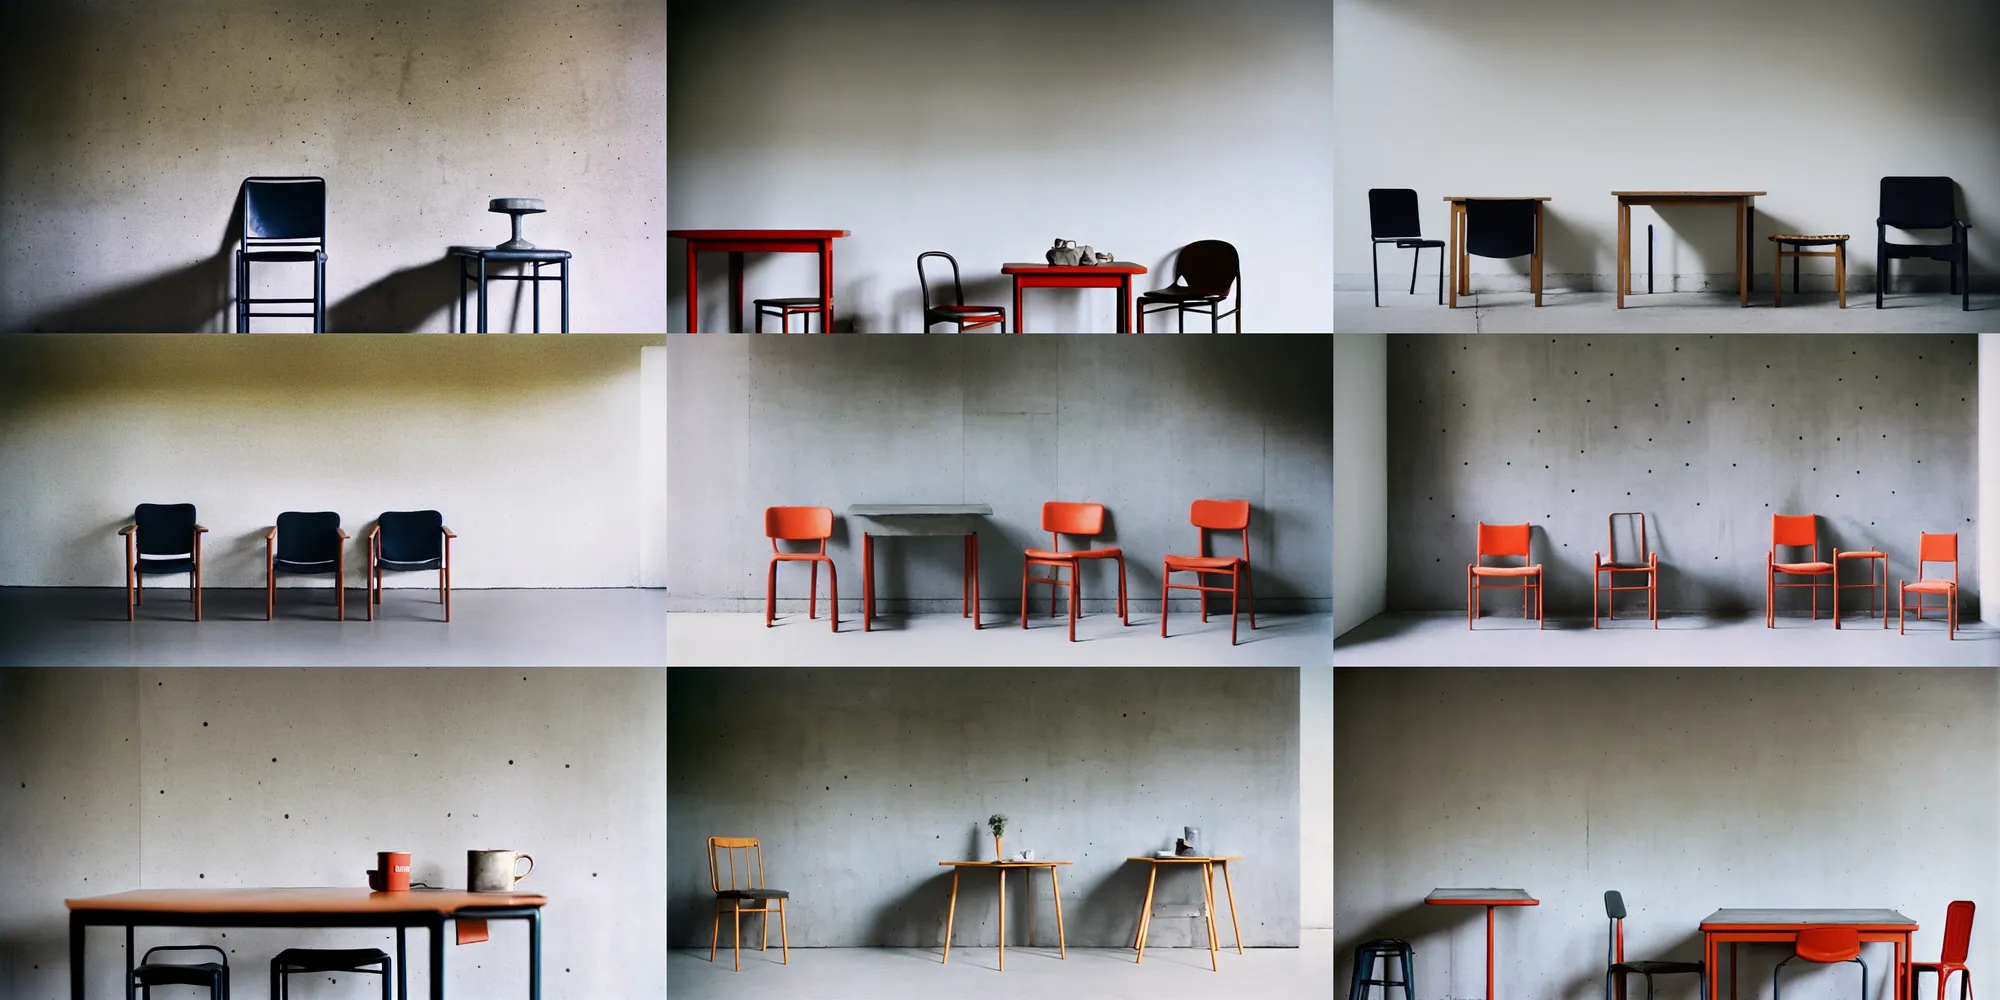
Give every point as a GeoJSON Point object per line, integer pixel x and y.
{"type": "Point", "coordinates": [122, 779]}
{"type": "Point", "coordinates": [1686, 790]}
{"type": "Point", "coordinates": [859, 781]}
{"type": "Point", "coordinates": [126, 127]}
{"type": "Point", "coordinates": [1707, 435]}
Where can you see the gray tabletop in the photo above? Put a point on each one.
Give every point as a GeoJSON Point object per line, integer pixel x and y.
{"type": "Point", "coordinates": [1788, 917]}
{"type": "Point", "coordinates": [1479, 896]}
{"type": "Point", "coordinates": [921, 518]}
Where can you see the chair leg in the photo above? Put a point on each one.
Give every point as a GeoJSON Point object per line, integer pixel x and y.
{"type": "Point", "coordinates": [770, 592]}
{"type": "Point", "coordinates": [764, 927]}
{"type": "Point", "coordinates": [1249, 596]}
{"type": "Point", "coordinates": [1235, 588]}
{"type": "Point", "coordinates": [832, 599]}
{"type": "Point", "coordinates": [1124, 616]}
{"type": "Point", "coordinates": [1375, 269]}
{"type": "Point", "coordinates": [1164, 574]}
{"type": "Point", "coordinates": [1075, 597]}
{"type": "Point", "coordinates": [737, 919]}
{"type": "Point", "coordinates": [784, 934]}
{"type": "Point", "coordinates": [1415, 255]}
{"type": "Point", "coordinates": [1026, 569]}
{"type": "Point", "coordinates": [1440, 302]}
{"type": "Point", "coordinates": [715, 933]}
{"type": "Point", "coordinates": [1881, 269]}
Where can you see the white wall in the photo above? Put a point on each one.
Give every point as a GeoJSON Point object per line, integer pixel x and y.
{"type": "Point", "coordinates": [533, 448]}
{"type": "Point", "coordinates": [988, 128]}
{"type": "Point", "coordinates": [1316, 798]}
{"type": "Point", "coordinates": [1360, 478]}
{"type": "Point", "coordinates": [1988, 538]}
{"type": "Point", "coordinates": [1813, 101]}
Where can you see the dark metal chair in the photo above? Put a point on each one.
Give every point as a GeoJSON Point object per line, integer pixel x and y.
{"type": "Point", "coordinates": [212, 975]}
{"type": "Point", "coordinates": [306, 544]}
{"type": "Point", "coordinates": [1615, 966]}
{"type": "Point", "coordinates": [1923, 203]}
{"type": "Point", "coordinates": [1503, 230]}
{"type": "Point", "coordinates": [1205, 272]}
{"type": "Point", "coordinates": [282, 212]}
{"type": "Point", "coordinates": [405, 541]}
{"type": "Point", "coordinates": [956, 311]}
{"type": "Point", "coordinates": [293, 961]}
{"type": "Point", "coordinates": [1392, 218]}
{"type": "Point", "coordinates": [1826, 946]}
{"type": "Point", "coordinates": [1388, 950]}
{"type": "Point", "coordinates": [162, 538]}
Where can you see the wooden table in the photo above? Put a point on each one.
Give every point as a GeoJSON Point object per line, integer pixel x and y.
{"type": "Point", "coordinates": [736, 243]}
{"type": "Point", "coordinates": [1113, 274]}
{"type": "Point", "coordinates": [316, 907]}
{"type": "Point", "coordinates": [1746, 223]}
{"type": "Point", "coordinates": [921, 519]}
{"type": "Point", "coordinates": [1488, 898]}
{"type": "Point", "coordinates": [1783, 925]}
{"type": "Point", "coordinates": [1461, 261]}
{"type": "Point", "coordinates": [1027, 872]}
{"type": "Point", "coordinates": [1208, 864]}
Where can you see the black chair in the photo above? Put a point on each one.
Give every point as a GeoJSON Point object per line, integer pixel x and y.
{"type": "Point", "coordinates": [1387, 950]}
{"type": "Point", "coordinates": [1615, 966]}
{"type": "Point", "coordinates": [1923, 203]}
{"type": "Point", "coordinates": [213, 975]}
{"type": "Point", "coordinates": [1503, 230]}
{"type": "Point", "coordinates": [956, 311]}
{"type": "Point", "coordinates": [404, 541]}
{"type": "Point", "coordinates": [282, 212]}
{"type": "Point", "coordinates": [293, 961]}
{"type": "Point", "coordinates": [1392, 218]}
{"type": "Point", "coordinates": [306, 544]}
{"type": "Point", "coordinates": [1205, 272]}
{"type": "Point", "coordinates": [162, 538]}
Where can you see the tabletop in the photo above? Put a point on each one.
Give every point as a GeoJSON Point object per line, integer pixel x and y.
{"type": "Point", "coordinates": [1003, 864]}
{"type": "Point", "coordinates": [1687, 194]}
{"type": "Point", "coordinates": [1787, 918]}
{"type": "Point", "coordinates": [301, 901]}
{"type": "Point", "coordinates": [1108, 267]}
{"type": "Point", "coordinates": [756, 234]}
{"type": "Point", "coordinates": [1496, 197]}
{"type": "Point", "coordinates": [1187, 859]}
{"type": "Point", "coordinates": [1482, 897]}
{"type": "Point", "coordinates": [919, 510]}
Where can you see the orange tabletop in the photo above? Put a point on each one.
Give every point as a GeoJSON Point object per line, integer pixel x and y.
{"type": "Point", "coordinates": [1002, 867]}
{"type": "Point", "coordinates": [1488, 898]}
{"type": "Point", "coordinates": [1782, 926]}
{"type": "Point", "coordinates": [1746, 227]}
{"type": "Point", "coordinates": [736, 243]}
{"type": "Point", "coordinates": [1208, 863]}
{"type": "Point", "coordinates": [1115, 274]}
{"type": "Point", "coordinates": [301, 902]}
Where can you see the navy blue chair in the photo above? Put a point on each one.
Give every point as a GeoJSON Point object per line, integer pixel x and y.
{"type": "Point", "coordinates": [1392, 218]}
{"type": "Point", "coordinates": [162, 538]}
{"type": "Point", "coordinates": [287, 212]}
{"type": "Point", "coordinates": [306, 544]}
{"type": "Point", "coordinates": [405, 541]}
{"type": "Point", "coordinates": [1615, 966]}
{"type": "Point", "coordinates": [293, 961]}
{"type": "Point", "coordinates": [213, 975]}
{"type": "Point", "coordinates": [1923, 203]}
{"type": "Point", "coordinates": [1387, 950]}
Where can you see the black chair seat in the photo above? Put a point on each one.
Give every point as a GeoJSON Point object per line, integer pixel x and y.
{"type": "Point", "coordinates": [1171, 294]}
{"type": "Point", "coordinates": [415, 564]}
{"type": "Point", "coordinates": [797, 302]}
{"type": "Point", "coordinates": [295, 566]}
{"type": "Point", "coordinates": [328, 959]}
{"type": "Point", "coordinates": [164, 565]}
{"type": "Point", "coordinates": [293, 256]}
{"type": "Point", "coordinates": [752, 894]}
{"type": "Point", "coordinates": [202, 974]}
{"type": "Point", "coordinates": [1402, 244]}
{"type": "Point", "coordinates": [1656, 968]}
{"type": "Point", "coordinates": [966, 310]}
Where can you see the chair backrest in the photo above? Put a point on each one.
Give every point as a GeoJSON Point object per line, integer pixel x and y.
{"type": "Point", "coordinates": [1500, 229]}
{"type": "Point", "coordinates": [923, 280]}
{"type": "Point", "coordinates": [1919, 202]}
{"type": "Point", "coordinates": [1503, 540]}
{"type": "Point", "coordinates": [1800, 530]}
{"type": "Point", "coordinates": [1060, 518]}
{"type": "Point", "coordinates": [308, 537]}
{"type": "Point", "coordinates": [1828, 944]}
{"type": "Point", "coordinates": [147, 959]}
{"type": "Point", "coordinates": [1392, 214]}
{"type": "Point", "coordinates": [1208, 267]}
{"type": "Point", "coordinates": [1957, 931]}
{"type": "Point", "coordinates": [1632, 518]}
{"type": "Point", "coordinates": [284, 208]}
{"type": "Point", "coordinates": [798, 524]}
{"type": "Point", "coordinates": [411, 535]}
{"type": "Point", "coordinates": [729, 846]}
{"type": "Point", "coordinates": [1221, 515]}
{"type": "Point", "coordinates": [1937, 548]}
{"type": "Point", "coordinates": [1614, 944]}
{"type": "Point", "coordinates": [165, 529]}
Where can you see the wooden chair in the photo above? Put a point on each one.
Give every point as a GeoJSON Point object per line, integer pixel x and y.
{"type": "Point", "coordinates": [801, 524]}
{"type": "Point", "coordinates": [1647, 564]}
{"type": "Point", "coordinates": [1503, 541]}
{"type": "Point", "coordinates": [1793, 247]}
{"type": "Point", "coordinates": [1207, 516]}
{"type": "Point", "coordinates": [757, 891]}
{"type": "Point", "coordinates": [405, 541]}
{"type": "Point", "coordinates": [1794, 531]}
{"type": "Point", "coordinates": [308, 544]}
{"type": "Point", "coordinates": [956, 311]}
{"type": "Point", "coordinates": [1059, 519]}
{"type": "Point", "coordinates": [1930, 549]}
{"type": "Point", "coordinates": [1957, 941]}
{"type": "Point", "coordinates": [162, 538]}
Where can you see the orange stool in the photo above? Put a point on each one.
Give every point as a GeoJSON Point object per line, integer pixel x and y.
{"type": "Point", "coordinates": [1213, 515]}
{"type": "Point", "coordinates": [1932, 548]}
{"type": "Point", "coordinates": [801, 524]}
{"type": "Point", "coordinates": [1503, 540]}
{"type": "Point", "coordinates": [1873, 559]}
{"type": "Point", "coordinates": [1793, 531]}
{"type": "Point", "coordinates": [1059, 519]}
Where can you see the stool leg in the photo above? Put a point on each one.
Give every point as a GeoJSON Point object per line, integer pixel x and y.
{"type": "Point", "coordinates": [538, 294]}
{"type": "Point", "coordinates": [1777, 272]}
{"type": "Point", "coordinates": [1840, 270]}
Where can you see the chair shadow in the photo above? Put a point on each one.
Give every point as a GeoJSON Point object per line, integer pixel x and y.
{"type": "Point", "coordinates": [401, 301]}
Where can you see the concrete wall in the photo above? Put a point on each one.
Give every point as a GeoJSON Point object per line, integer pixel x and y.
{"type": "Point", "coordinates": [987, 129]}
{"type": "Point", "coordinates": [1686, 790]}
{"type": "Point", "coordinates": [1574, 99]}
{"type": "Point", "coordinates": [1989, 461]}
{"type": "Point", "coordinates": [859, 781]}
{"type": "Point", "coordinates": [148, 778]}
{"type": "Point", "coordinates": [126, 128]}
{"type": "Point", "coordinates": [1316, 798]}
{"type": "Point", "coordinates": [1144, 426]}
{"type": "Point", "coordinates": [1361, 478]}
{"type": "Point", "coordinates": [532, 447]}
{"type": "Point", "coordinates": [1708, 435]}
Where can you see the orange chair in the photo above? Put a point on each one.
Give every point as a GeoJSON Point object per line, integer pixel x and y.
{"type": "Point", "coordinates": [801, 524]}
{"type": "Point", "coordinates": [1207, 516]}
{"type": "Point", "coordinates": [1932, 548]}
{"type": "Point", "coordinates": [1826, 946]}
{"type": "Point", "coordinates": [1503, 540]}
{"type": "Point", "coordinates": [757, 891]}
{"type": "Point", "coordinates": [1059, 519]}
{"type": "Point", "coordinates": [1647, 563]}
{"type": "Point", "coordinates": [1957, 941]}
{"type": "Point", "coordinates": [1793, 531]}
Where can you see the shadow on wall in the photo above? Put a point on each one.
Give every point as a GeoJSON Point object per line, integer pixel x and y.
{"type": "Point", "coordinates": [194, 298]}
{"type": "Point", "coordinates": [399, 302]}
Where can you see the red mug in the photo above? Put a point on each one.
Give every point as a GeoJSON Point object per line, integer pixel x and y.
{"type": "Point", "coordinates": [392, 872]}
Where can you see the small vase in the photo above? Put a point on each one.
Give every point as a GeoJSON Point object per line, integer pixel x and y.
{"type": "Point", "coordinates": [997, 856]}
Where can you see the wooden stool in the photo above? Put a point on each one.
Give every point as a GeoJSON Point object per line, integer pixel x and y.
{"type": "Point", "coordinates": [785, 309]}
{"type": "Point", "coordinates": [1871, 559]}
{"type": "Point", "coordinates": [1797, 245]}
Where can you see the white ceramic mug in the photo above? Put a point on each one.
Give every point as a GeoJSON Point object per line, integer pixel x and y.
{"type": "Point", "coordinates": [495, 871]}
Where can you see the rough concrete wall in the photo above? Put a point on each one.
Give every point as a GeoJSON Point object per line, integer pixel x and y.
{"type": "Point", "coordinates": [1708, 435]}
{"type": "Point", "coordinates": [859, 781]}
{"type": "Point", "coordinates": [1686, 790]}
{"type": "Point", "coordinates": [1316, 798]}
{"type": "Point", "coordinates": [517, 440]}
{"type": "Point", "coordinates": [1361, 477]}
{"type": "Point", "coordinates": [1144, 426]}
{"type": "Point", "coordinates": [566, 764]}
{"type": "Point", "coordinates": [1989, 460]}
{"type": "Point", "coordinates": [126, 127]}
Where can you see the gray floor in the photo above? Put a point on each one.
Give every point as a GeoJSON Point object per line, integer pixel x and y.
{"type": "Point", "coordinates": [1676, 312]}
{"type": "Point", "coordinates": [1682, 640]}
{"type": "Point", "coordinates": [1302, 973]}
{"type": "Point", "coordinates": [727, 639]}
{"type": "Point", "coordinates": [48, 626]}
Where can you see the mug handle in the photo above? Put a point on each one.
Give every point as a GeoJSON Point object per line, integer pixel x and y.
{"type": "Point", "coordinates": [531, 866]}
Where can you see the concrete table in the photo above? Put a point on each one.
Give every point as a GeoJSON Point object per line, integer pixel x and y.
{"type": "Point", "coordinates": [1027, 872]}
{"type": "Point", "coordinates": [1746, 225]}
{"type": "Point", "coordinates": [1208, 864]}
{"type": "Point", "coordinates": [1488, 898]}
{"type": "Point", "coordinates": [920, 519]}
{"type": "Point", "coordinates": [1783, 926]}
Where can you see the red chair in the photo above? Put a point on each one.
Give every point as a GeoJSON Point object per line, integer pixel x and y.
{"type": "Point", "coordinates": [1826, 946]}
{"type": "Point", "coordinates": [801, 524]}
{"type": "Point", "coordinates": [1794, 531]}
{"type": "Point", "coordinates": [1647, 563]}
{"type": "Point", "coordinates": [1932, 548]}
{"type": "Point", "coordinates": [1957, 941]}
{"type": "Point", "coordinates": [1503, 540]}
{"type": "Point", "coordinates": [1059, 519]}
{"type": "Point", "coordinates": [1214, 515]}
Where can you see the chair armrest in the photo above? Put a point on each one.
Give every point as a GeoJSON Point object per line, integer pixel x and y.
{"type": "Point", "coordinates": [128, 529]}
{"type": "Point", "coordinates": [1596, 559]}
{"type": "Point", "coordinates": [270, 534]}
{"type": "Point", "coordinates": [199, 530]}
{"type": "Point", "coordinates": [342, 532]}
{"type": "Point", "coordinates": [374, 532]}
{"type": "Point", "coordinates": [448, 533]}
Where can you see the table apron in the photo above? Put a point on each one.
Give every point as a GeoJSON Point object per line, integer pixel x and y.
{"type": "Point", "coordinates": [1684, 201]}
{"type": "Point", "coordinates": [1071, 280]}
{"type": "Point", "coordinates": [928, 525]}
{"type": "Point", "coordinates": [756, 246]}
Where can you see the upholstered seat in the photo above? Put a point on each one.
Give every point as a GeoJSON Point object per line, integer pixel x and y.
{"type": "Point", "coordinates": [201, 974]}
{"type": "Point", "coordinates": [1202, 562]}
{"type": "Point", "coordinates": [146, 565]}
{"type": "Point", "coordinates": [1805, 567]}
{"type": "Point", "coordinates": [753, 894]}
{"type": "Point", "coordinates": [1506, 570]}
{"type": "Point", "coordinates": [1931, 587]}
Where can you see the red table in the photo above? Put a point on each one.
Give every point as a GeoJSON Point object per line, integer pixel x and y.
{"type": "Point", "coordinates": [1114, 274]}
{"type": "Point", "coordinates": [1783, 926]}
{"type": "Point", "coordinates": [1488, 898]}
{"type": "Point", "coordinates": [737, 242]}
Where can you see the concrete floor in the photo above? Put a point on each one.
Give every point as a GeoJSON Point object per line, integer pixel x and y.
{"type": "Point", "coordinates": [1032, 973]}
{"type": "Point", "coordinates": [1441, 639]}
{"type": "Point", "coordinates": [730, 639]}
{"type": "Point", "coordinates": [45, 626]}
{"type": "Point", "coordinates": [1665, 312]}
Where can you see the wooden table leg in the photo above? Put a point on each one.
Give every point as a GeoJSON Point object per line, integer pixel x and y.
{"type": "Point", "coordinates": [950, 911]}
{"type": "Point", "coordinates": [1451, 237]}
{"type": "Point", "coordinates": [1622, 260]}
{"type": "Point", "coordinates": [1027, 893]}
{"type": "Point", "coordinates": [1749, 251]}
{"type": "Point", "coordinates": [1231, 891]}
{"type": "Point", "coordinates": [1208, 913]}
{"type": "Point", "coordinates": [1145, 913]}
{"type": "Point", "coordinates": [1125, 303]}
{"type": "Point", "coordinates": [1742, 258]}
{"type": "Point", "coordinates": [1055, 891]}
{"type": "Point", "coordinates": [1538, 253]}
{"type": "Point", "coordinates": [867, 581]}
{"type": "Point", "coordinates": [736, 292]}
{"type": "Point", "coordinates": [1003, 919]}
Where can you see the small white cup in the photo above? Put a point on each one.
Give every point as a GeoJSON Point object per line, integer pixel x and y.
{"type": "Point", "coordinates": [1027, 856]}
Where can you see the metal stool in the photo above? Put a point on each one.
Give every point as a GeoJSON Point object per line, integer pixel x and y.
{"type": "Point", "coordinates": [1797, 245]}
{"type": "Point", "coordinates": [210, 974]}
{"type": "Point", "coordinates": [538, 257]}
{"type": "Point", "coordinates": [293, 961]}
{"type": "Point", "coordinates": [1364, 968]}
{"type": "Point", "coordinates": [785, 309]}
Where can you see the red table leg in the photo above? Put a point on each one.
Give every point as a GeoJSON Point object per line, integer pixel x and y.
{"type": "Point", "coordinates": [867, 581]}
{"type": "Point", "coordinates": [1489, 953]}
{"type": "Point", "coordinates": [1017, 303]}
{"type": "Point", "coordinates": [973, 542]}
{"type": "Point", "coordinates": [826, 286]}
{"type": "Point", "coordinates": [693, 287]}
{"type": "Point", "coordinates": [1125, 303]}
{"type": "Point", "coordinates": [736, 292]}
